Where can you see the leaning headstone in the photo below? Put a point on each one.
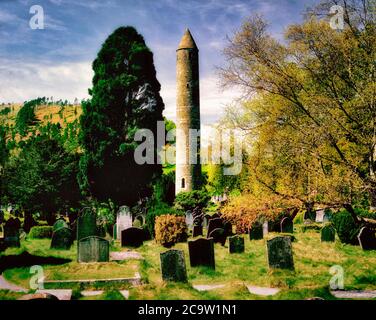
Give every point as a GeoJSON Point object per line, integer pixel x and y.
{"type": "Point", "coordinates": [201, 252]}
{"type": "Point", "coordinates": [173, 266]}
{"type": "Point", "coordinates": [236, 244]}
{"type": "Point", "coordinates": [214, 224]}
{"type": "Point", "coordinates": [62, 239]}
{"type": "Point", "coordinates": [280, 253]}
{"type": "Point", "coordinates": [197, 231]}
{"type": "Point", "coordinates": [86, 224]}
{"type": "Point", "coordinates": [123, 220]}
{"type": "Point", "coordinates": [93, 249]}
{"type": "Point", "coordinates": [12, 233]}
{"type": "Point", "coordinates": [132, 237]}
{"type": "Point", "coordinates": [287, 226]}
{"type": "Point", "coordinates": [328, 234]}
{"type": "Point", "coordinates": [367, 238]}
{"type": "Point", "coordinates": [189, 219]}
{"type": "Point", "coordinates": [60, 223]}
{"type": "Point", "coordinates": [219, 236]}
{"type": "Point", "coordinates": [256, 231]}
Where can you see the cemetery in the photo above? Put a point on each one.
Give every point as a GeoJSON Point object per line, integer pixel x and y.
{"type": "Point", "coordinates": [281, 205]}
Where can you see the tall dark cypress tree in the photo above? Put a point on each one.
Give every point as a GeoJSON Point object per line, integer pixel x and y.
{"type": "Point", "coordinates": [125, 98]}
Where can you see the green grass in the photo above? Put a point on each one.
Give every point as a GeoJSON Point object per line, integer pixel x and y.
{"type": "Point", "coordinates": [311, 277]}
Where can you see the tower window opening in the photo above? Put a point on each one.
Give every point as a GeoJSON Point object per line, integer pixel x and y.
{"type": "Point", "coordinates": [187, 85]}
{"type": "Point", "coordinates": [183, 183]}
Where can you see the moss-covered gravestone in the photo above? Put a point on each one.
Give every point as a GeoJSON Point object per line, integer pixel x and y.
{"type": "Point", "coordinates": [201, 252]}
{"type": "Point", "coordinates": [62, 239]}
{"type": "Point", "coordinates": [86, 224]}
{"type": "Point", "coordinates": [60, 223]}
{"type": "Point", "coordinates": [287, 225]}
{"type": "Point", "coordinates": [279, 253]}
{"type": "Point", "coordinates": [93, 249]}
{"type": "Point", "coordinates": [173, 266]}
{"type": "Point", "coordinates": [236, 244]}
{"type": "Point", "coordinates": [328, 234]}
{"type": "Point", "coordinates": [256, 231]}
{"type": "Point", "coordinates": [367, 238]}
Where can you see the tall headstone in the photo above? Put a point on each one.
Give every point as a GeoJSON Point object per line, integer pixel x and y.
{"type": "Point", "coordinates": [62, 239]}
{"type": "Point", "coordinates": [287, 225]}
{"type": "Point", "coordinates": [189, 219]}
{"type": "Point", "coordinates": [280, 253]}
{"type": "Point", "coordinates": [367, 238]}
{"type": "Point", "coordinates": [256, 231]}
{"type": "Point", "coordinates": [123, 220]}
{"type": "Point", "coordinates": [214, 224]}
{"type": "Point", "coordinates": [265, 228]}
{"type": "Point", "coordinates": [173, 266]}
{"type": "Point", "coordinates": [197, 231]}
{"type": "Point", "coordinates": [12, 233]}
{"type": "Point", "coordinates": [236, 244]}
{"type": "Point", "coordinates": [132, 237]}
{"type": "Point", "coordinates": [93, 249]}
{"type": "Point", "coordinates": [201, 252]}
{"type": "Point", "coordinates": [86, 224]}
{"type": "Point", "coordinates": [328, 234]}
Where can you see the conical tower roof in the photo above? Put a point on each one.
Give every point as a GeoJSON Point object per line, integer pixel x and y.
{"type": "Point", "coordinates": [187, 41]}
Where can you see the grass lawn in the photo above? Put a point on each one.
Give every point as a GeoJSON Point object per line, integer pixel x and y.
{"type": "Point", "coordinates": [311, 277]}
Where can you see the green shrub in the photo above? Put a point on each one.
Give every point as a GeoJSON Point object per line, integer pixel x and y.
{"type": "Point", "coordinates": [170, 229]}
{"type": "Point", "coordinates": [346, 227]}
{"type": "Point", "coordinates": [41, 232]}
{"type": "Point", "coordinates": [154, 212]}
{"type": "Point", "coordinates": [190, 200]}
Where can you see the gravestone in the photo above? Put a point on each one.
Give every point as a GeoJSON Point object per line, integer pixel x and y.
{"type": "Point", "coordinates": [62, 239]}
{"type": "Point", "coordinates": [12, 233]}
{"type": "Point", "coordinates": [219, 236]}
{"type": "Point", "coordinates": [132, 237]}
{"type": "Point", "coordinates": [86, 224]}
{"type": "Point", "coordinates": [60, 223]}
{"type": "Point", "coordinates": [367, 238]}
{"type": "Point", "coordinates": [197, 231]}
{"type": "Point", "coordinates": [328, 234]}
{"type": "Point", "coordinates": [201, 252]}
{"type": "Point", "coordinates": [93, 249]}
{"type": "Point", "coordinates": [265, 228]}
{"type": "Point", "coordinates": [236, 244]}
{"type": "Point", "coordinates": [173, 266]}
{"type": "Point", "coordinates": [280, 253]}
{"type": "Point", "coordinates": [114, 231]}
{"type": "Point", "coordinates": [320, 215]}
{"type": "Point", "coordinates": [227, 226]}
{"type": "Point", "coordinates": [206, 220]}
{"type": "Point", "coordinates": [189, 219]}
{"type": "Point", "coordinates": [214, 224]}
{"type": "Point", "coordinates": [2, 215]}
{"type": "Point", "coordinates": [256, 231]}
{"type": "Point", "coordinates": [287, 226]}
{"type": "Point", "coordinates": [123, 220]}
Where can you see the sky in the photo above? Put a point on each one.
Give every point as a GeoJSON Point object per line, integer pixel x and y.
{"type": "Point", "coordinates": [56, 61]}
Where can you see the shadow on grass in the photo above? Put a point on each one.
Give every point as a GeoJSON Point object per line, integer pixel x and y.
{"type": "Point", "coordinates": [26, 259]}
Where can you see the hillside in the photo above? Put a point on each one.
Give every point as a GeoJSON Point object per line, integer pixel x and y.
{"type": "Point", "coordinates": [45, 113]}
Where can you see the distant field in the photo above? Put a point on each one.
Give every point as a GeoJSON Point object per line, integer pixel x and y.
{"type": "Point", "coordinates": [44, 113]}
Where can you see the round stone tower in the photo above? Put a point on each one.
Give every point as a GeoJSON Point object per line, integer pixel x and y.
{"type": "Point", "coordinates": [188, 167]}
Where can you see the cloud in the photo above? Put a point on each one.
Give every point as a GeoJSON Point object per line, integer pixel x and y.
{"type": "Point", "coordinates": [27, 80]}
